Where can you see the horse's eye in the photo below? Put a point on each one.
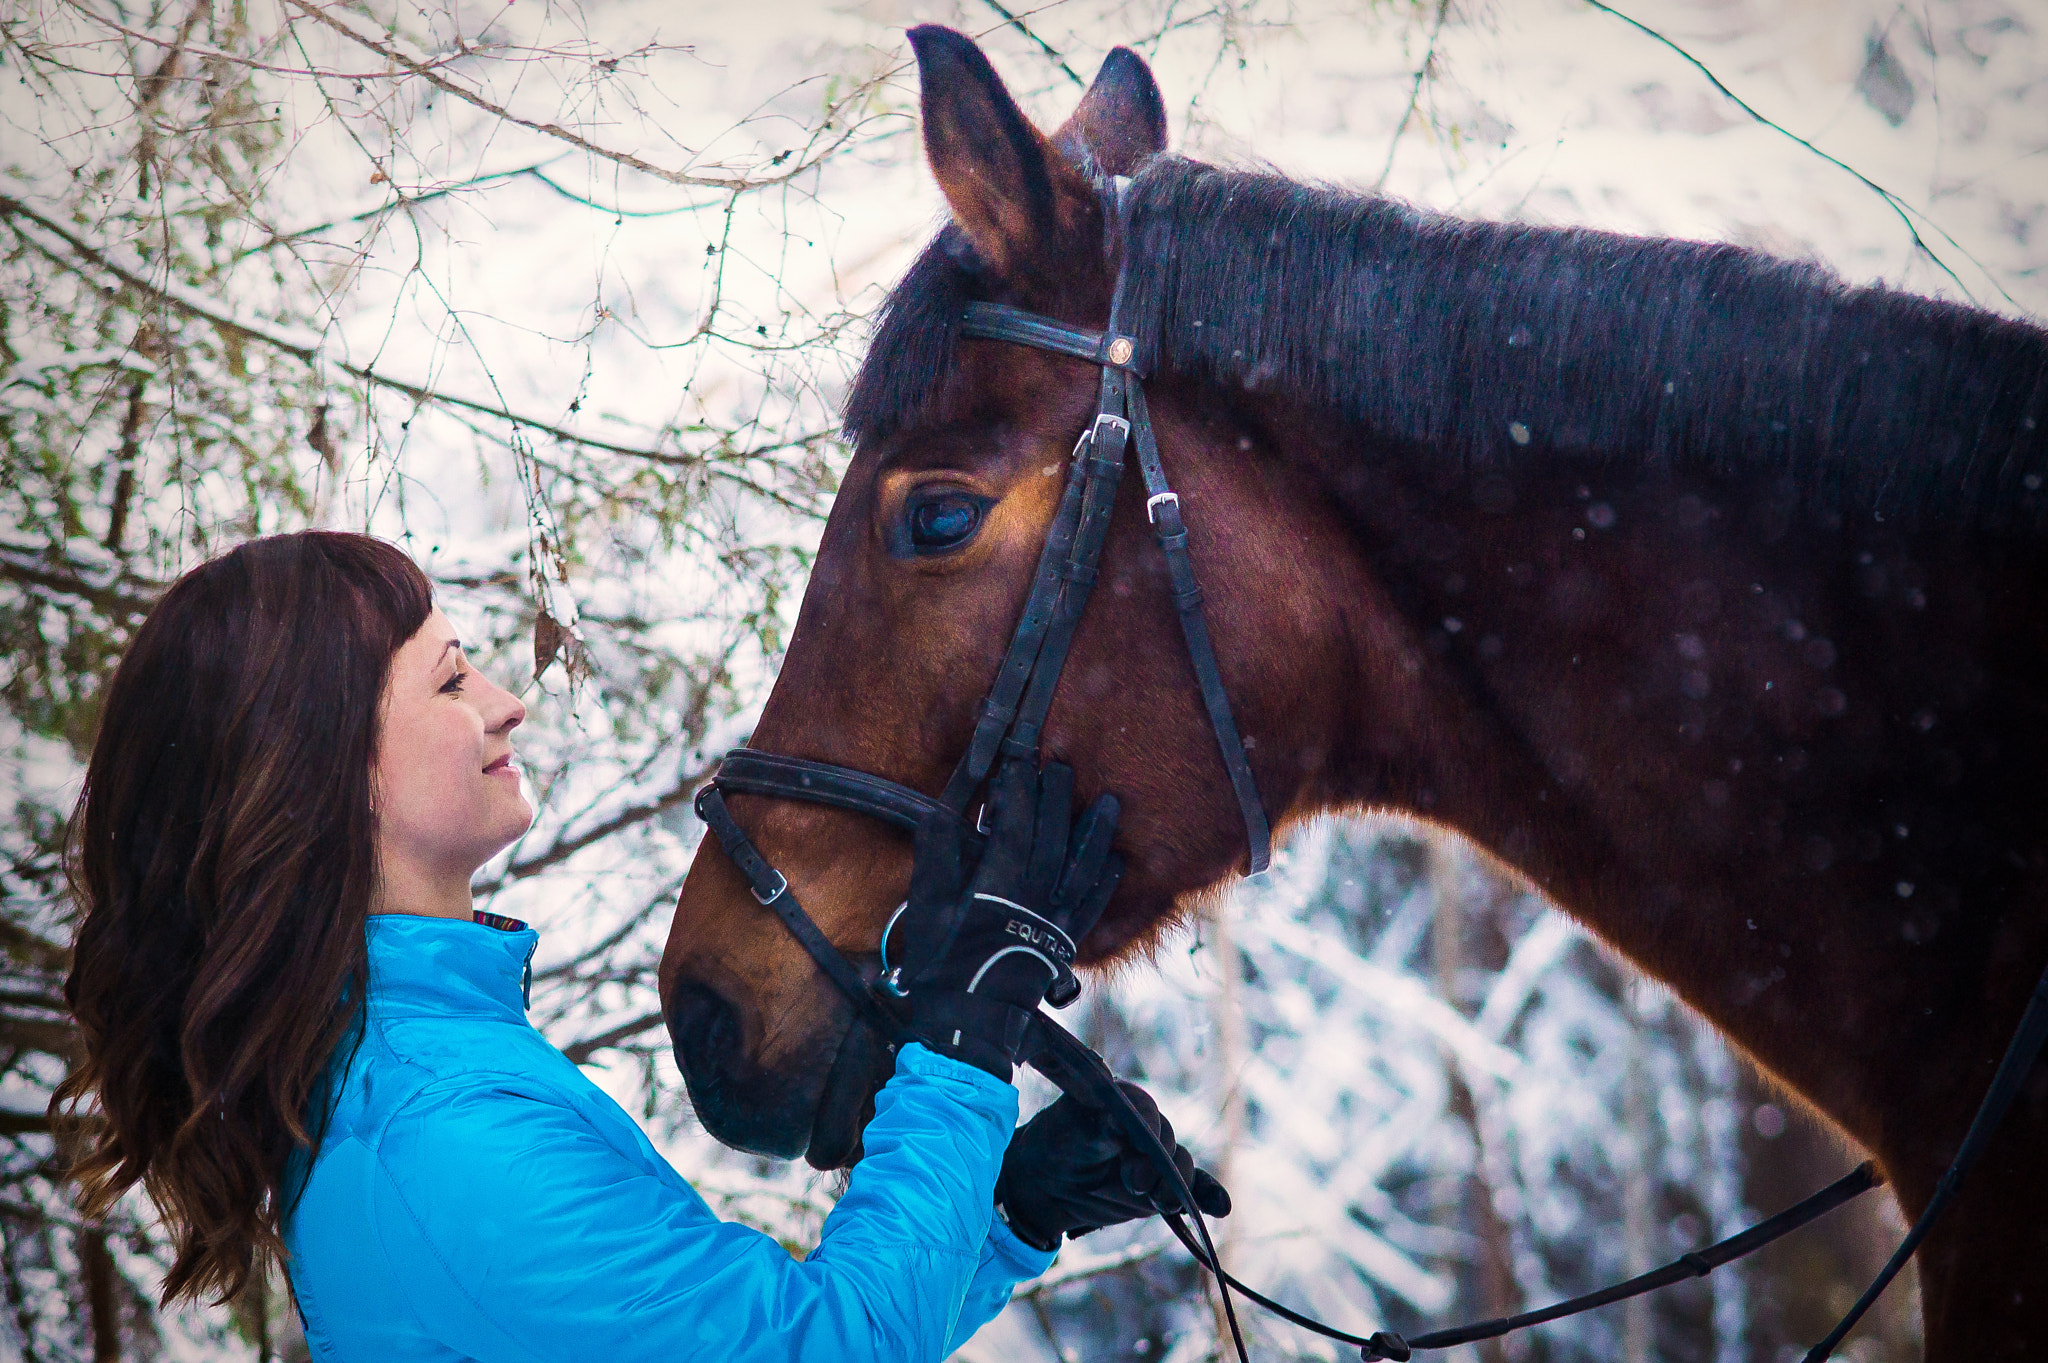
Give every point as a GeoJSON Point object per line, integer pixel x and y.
{"type": "Point", "coordinates": [942, 521]}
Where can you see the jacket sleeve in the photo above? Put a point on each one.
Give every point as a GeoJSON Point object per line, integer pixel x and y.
{"type": "Point", "coordinates": [522, 1234]}
{"type": "Point", "coordinates": [1005, 1262]}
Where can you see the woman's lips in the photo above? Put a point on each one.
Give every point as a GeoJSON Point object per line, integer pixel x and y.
{"type": "Point", "coordinates": [502, 767]}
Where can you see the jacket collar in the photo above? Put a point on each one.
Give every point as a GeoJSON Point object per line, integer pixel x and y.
{"type": "Point", "coordinates": [424, 967]}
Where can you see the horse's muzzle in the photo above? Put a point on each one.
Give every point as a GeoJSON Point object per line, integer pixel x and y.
{"type": "Point", "coordinates": [740, 1102]}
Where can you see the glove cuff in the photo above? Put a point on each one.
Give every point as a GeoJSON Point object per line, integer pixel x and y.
{"type": "Point", "coordinates": [1034, 1238]}
{"type": "Point", "coordinates": [976, 1029]}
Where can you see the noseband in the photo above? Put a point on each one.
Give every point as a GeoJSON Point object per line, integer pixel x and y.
{"type": "Point", "coordinates": [1012, 721]}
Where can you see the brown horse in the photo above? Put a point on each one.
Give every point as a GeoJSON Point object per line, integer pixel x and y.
{"type": "Point", "coordinates": [1700, 589]}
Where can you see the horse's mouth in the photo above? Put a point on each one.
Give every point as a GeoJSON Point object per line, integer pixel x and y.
{"type": "Point", "coordinates": [847, 1100]}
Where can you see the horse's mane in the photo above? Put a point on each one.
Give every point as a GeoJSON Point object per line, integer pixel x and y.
{"type": "Point", "coordinates": [1498, 343]}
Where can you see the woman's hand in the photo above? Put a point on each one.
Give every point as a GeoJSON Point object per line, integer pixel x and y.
{"type": "Point", "coordinates": [1071, 1169]}
{"type": "Point", "coordinates": [978, 955]}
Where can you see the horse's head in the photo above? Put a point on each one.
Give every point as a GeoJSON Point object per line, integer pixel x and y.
{"type": "Point", "coordinates": [961, 450]}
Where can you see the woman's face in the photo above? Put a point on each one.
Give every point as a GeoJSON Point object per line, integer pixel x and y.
{"type": "Point", "coordinates": [447, 787]}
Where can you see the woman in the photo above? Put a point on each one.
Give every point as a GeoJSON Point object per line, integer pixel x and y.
{"type": "Point", "coordinates": [307, 1046]}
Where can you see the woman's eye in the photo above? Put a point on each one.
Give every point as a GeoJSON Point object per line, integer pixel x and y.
{"type": "Point", "coordinates": [943, 521]}
{"type": "Point", "coordinates": [454, 683]}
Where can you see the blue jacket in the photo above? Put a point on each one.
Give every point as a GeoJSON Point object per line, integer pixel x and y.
{"type": "Point", "coordinates": [477, 1197]}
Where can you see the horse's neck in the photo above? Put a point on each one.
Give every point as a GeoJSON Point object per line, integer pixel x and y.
{"type": "Point", "coordinates": [1573, 632]}
{"type": "Point", "coordinates": [1713, 727]}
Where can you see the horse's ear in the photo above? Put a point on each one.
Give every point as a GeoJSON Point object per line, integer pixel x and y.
{"type": "Point", "coordinates": [1001, 177]}
{"type": "Point", "coordinates": [1121, 121]}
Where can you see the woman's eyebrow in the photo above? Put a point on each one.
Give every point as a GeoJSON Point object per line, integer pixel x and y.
{"type": "Point", "coordinates": [455, 644]}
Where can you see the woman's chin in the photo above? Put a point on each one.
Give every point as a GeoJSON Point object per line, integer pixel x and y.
{"type": "Point", "coordinates": [517, 818]}
{"type": "Point", "coordinates": [507, 823]}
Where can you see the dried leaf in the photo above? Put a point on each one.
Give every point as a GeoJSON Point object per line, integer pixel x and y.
{"type": "Point", "coordinates": [548, 638]}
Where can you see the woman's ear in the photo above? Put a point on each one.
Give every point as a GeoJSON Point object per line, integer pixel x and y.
{"type": "Point", "coordinates": [1015, 197]}
{"type": "Point", "coordinates": [1121, 121]}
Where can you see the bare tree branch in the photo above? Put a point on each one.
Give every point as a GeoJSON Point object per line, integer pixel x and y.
{"type": "Point", "coordinates": [51, 1036]}
{"type": "Point", "coordinates": [32, 949]}
{"type": "Point", "coordinates": [1422, 70]}
{"type": "Point", "coordinates": [536, 173]}
{"type": "Point", "coordinates": [23, 1124]}
{"type": "Point", "coordinates": [1080, 1270]}
{"type": "Point", "coordinates": [580, 1051]}
{"type": "Point", "coordinates": [427, 72]}
{"type": "Point", "coordinates": [1905, 211]}
{"type": "Point", "coordinates": [308, 348]}
{"type": "Point", "coordinates": [17, 567]}
{"type": "Point", "coordinates": [11, 998]}
{"type": "Point", "coordinates": [564, 848]}
{"type": "Point", "coordinates": [181, 44]}
{"type": "Point", "coordinates": [1016, 21]}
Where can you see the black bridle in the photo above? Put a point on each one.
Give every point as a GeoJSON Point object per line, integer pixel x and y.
{"type": "Point", "coordinates": [1010, 724]}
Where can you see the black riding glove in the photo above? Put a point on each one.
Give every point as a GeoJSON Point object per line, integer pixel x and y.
{"type": "Point", "coordinates": [976, 957]}
{"type": "Point", "coordinates": [1071, 1169]}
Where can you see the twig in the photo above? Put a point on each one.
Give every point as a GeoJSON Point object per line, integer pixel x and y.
{"type": "Point", "coordinates": [1443, 8]}
{"type": "Point", "coordinates": [306, 346]}
{"type": "Point", "coordinates": [1017, 22]}
{"type": "Point", "coordinates": [1066, 1274]}
{"type": "Point", "coordinates": [1906, 212]}
{"type": "Point", "coordinates": [580, 1051]}
{"type": "Point", "coordinates": [398, 201]}
{"type": "Point", "coordinates": [31, 571]}
{"type": "Point", "coordinates": [175, 46]}
{"type": "Point", "coordinates": [564, 848]}
{"type": "Point", "coordinates": [427, 72]}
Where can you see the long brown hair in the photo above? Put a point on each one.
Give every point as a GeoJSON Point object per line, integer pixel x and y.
{"type": "Point", "coordinates": [223, 859]}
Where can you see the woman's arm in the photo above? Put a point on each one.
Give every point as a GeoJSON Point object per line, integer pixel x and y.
{"type": "Point", "coordinates": [1005, 1262]}
{"type": "Point", "coordinates": [519, 1233]}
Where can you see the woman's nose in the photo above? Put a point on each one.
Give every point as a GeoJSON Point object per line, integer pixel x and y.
{"type": "Point", "coordinates": [511, 711]}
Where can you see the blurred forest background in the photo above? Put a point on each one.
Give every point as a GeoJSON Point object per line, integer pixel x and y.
{"type": "Point", "coordinates": [564, 297]}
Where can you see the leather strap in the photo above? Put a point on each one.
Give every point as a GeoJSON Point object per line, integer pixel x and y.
{"type": "Point", "coordinates": [999, 707]}
{"type": "Point", "coordinates": [1162, 507]}
{"type": "Point", "coordinates": [1697, 1264]}
{"type": "Point", "coordinates": [1103, 468]}
{"type": "Point", "coordinates": [771, 889]}
{"type": "Point", "coordinates": [1001, 322]}
{"type": "Point", "coordinates": [1079, 1072]}
{"type": "Point", "coordinates": [753, 772]}
{"type": "Point", "coordinates": [1012, 718]}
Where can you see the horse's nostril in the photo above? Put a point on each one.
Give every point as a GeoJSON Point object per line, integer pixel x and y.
{"type": "Point", "coordinates": [702, 1028]}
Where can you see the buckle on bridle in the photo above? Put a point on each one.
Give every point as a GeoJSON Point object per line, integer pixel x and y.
{"type": "Point", "coordinates": [782, 884]}
{"type": "Point", "coordinates": [1153, 502]}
